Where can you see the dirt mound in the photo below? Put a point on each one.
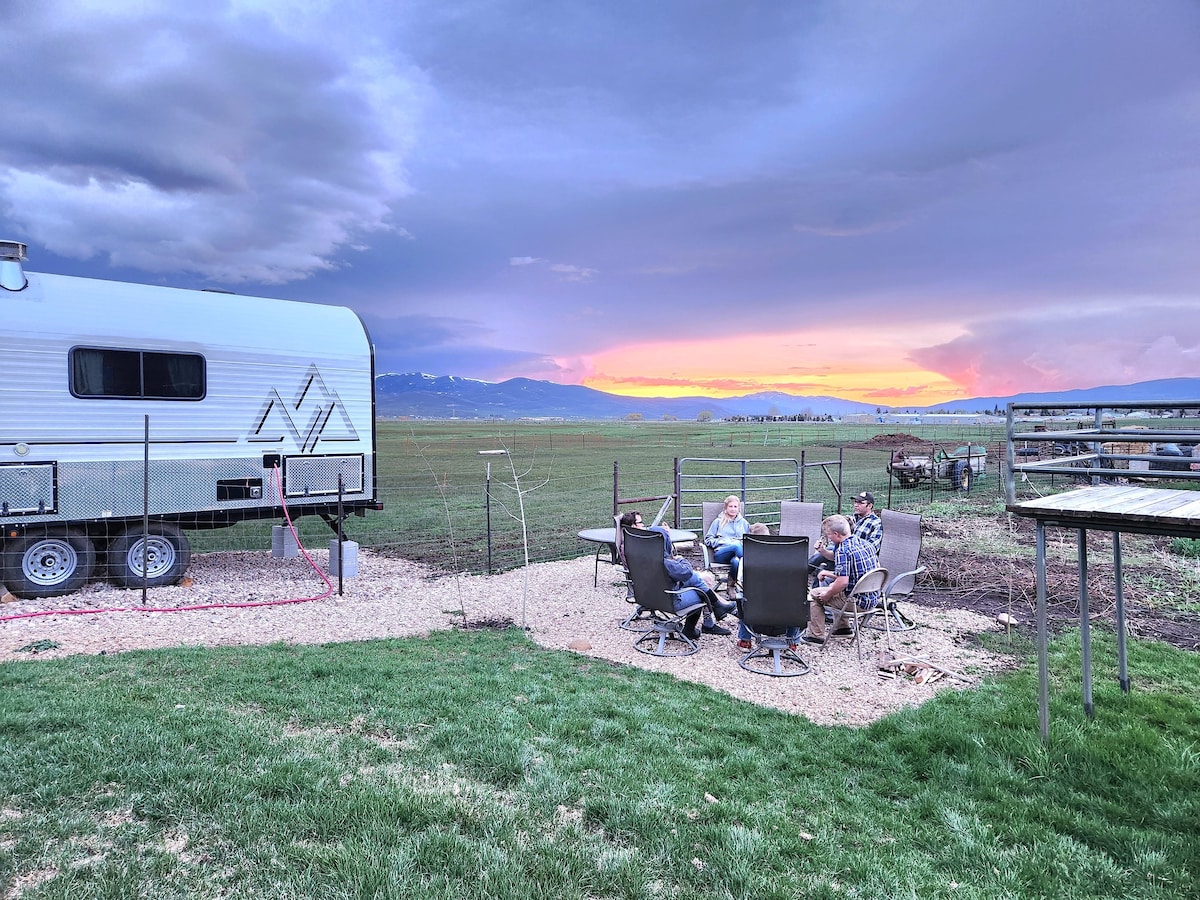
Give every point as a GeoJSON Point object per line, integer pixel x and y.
{"type": "Point", "coordinates": [889, 441]}
{"type": "Point", "coordinates": [893, 440]}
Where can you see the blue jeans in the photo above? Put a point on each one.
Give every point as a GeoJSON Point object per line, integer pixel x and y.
{"type": "Point", "coordinates": [692, 597]}
{"type": "Point", "coordinates": [731, 555]}
{"type": "Point", "coordinates": [816, 563]}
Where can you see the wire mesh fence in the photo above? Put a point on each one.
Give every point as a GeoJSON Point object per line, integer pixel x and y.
{"type": "Point", "coordinates": [474, 497]}
{"type": "Point", "coordinates": [466, 496]}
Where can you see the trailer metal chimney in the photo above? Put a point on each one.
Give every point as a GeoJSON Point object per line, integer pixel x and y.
{"type": "Point", "coordinates": [12, 277]}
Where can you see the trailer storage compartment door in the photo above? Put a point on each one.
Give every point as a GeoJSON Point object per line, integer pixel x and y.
{"type": "Point", "coordinates": [27, 488]}
{"type": "Point", "coordinates": [317, 476]}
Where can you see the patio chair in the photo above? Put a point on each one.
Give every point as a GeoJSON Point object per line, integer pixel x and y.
{"type": "Point", "coordinates": [653, 590]}
{"type": "Point", "coordinates": [873, 580]}
{"type": "Point", "coordinates": [639, 620]}
{"type": "Point", "coordinates": [899, 553]}
{"type": "Point", "coordinates": [775, 598]}
{"type": "Point", "coordinates": [712, 509]}
{"type": "Point", "coordinates": [802, 519]}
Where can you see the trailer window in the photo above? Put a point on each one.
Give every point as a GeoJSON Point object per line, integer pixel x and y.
{"type": "Point", "coordinates": [102, 372]}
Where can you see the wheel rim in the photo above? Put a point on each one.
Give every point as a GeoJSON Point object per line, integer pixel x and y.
{"type": "Point", "coordinates": [49, 562]}
{"type": "Point", "coordinates": [160, 553]}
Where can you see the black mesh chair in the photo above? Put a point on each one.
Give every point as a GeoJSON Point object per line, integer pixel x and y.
{"type": "Point", "coordinates": [774, 599]}
{"type": "Point", "coordinates": [639, 620]}
{"type": "Point", "coordinates": [654, 591]}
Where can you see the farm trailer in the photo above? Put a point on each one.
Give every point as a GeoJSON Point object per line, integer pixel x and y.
{"type": "Point", "coordinates": [129, 413]}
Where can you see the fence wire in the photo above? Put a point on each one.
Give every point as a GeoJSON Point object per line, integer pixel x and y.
{"type": "Point", "coordinates": [450, 490]}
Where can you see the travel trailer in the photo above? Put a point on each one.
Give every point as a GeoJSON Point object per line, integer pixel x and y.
{"type": "Point", "coordinates": [130, 413]}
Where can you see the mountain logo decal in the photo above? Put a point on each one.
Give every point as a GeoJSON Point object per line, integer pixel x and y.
{"type": "Point", "coordinates": [314, 413]}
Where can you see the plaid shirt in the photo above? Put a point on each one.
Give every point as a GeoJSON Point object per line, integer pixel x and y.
{"type": "Point", "coordinates": [870, 529]}
{"type": "Point", "coordinates": [854, 559]}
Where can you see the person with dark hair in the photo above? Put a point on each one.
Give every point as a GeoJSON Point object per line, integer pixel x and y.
{"type": "Point", "coordinates": [628, 520]}
{"type": "Point", "coordinates": [866, 524]}
{"type": "Point", "coordinates": [709, 627]}
{"type": "Point", "coordinates": [697, 587]}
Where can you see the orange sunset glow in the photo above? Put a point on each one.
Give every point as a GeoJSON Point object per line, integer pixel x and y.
{"type": "Point", "coordinates": [870, 369]}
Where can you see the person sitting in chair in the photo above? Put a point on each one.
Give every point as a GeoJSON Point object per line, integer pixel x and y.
{"type": "Point", "coordinates": [744, 635]}
{"type": "Point", "coordinates": [866, 524]}
{"type": "Point", "coordinates": [684, 576]}
{"type": "Point", "coordinates": [724, 536]}
{"type": "Point", "coordinates": [853, 558]}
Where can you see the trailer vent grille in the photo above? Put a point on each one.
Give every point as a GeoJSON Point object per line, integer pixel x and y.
{"type": "Point", "coordinates": [317, 476]}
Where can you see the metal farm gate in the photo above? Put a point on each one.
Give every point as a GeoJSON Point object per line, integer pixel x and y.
{"type": "Point", "coordinates": [760, 484]}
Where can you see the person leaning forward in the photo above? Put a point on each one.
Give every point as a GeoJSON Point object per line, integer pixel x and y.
{"type": "Point", "coordinates": [853, 558]}
{"type": "Point", "coordinates": [696, 587]}
{"type": "Point", "coordinates": [866, 524]}
{"type": "Point", "coordinates": [699, 580]}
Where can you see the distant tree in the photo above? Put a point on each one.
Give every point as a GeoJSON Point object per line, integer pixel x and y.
{"type": "Point", "coordinates": [773, 411]}
{"type": "Point", "coordinates": [633, 417]}
{"type": "Point", "coordinates": [704, 416]}
{"type": "Point", "coordinates": [667, 417]}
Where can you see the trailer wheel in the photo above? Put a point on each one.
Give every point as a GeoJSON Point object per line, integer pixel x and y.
{"type": "Point", "coordinates": [48, 563]}
{"type": "Point", "coordinates": [164, 551]}
{"type": "Point", "coordinates": [961, 475]}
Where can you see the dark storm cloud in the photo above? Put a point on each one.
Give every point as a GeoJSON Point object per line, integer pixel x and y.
{"type": "Point", "coordinates": [208, 142]}
{"type": "Point", "coordinates": [666, 171]}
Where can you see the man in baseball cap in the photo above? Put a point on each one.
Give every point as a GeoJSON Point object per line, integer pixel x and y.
{"type": "Point", "coordinates": [865, 524]}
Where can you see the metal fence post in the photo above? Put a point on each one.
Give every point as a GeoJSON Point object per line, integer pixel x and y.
{"type": "Point", "coordinates": [145, 509]}
{"type": "Point", "coordinates": [487, 501]}
{"type": "Point", "coordinates": [340, 535]}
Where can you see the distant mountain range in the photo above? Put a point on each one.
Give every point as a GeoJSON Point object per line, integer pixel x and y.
{"type": "Point", "coordinates": [448, 396]}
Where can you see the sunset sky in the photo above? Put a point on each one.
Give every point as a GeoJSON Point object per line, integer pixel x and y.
{"type": "Point", "coordinates": [892, 202]}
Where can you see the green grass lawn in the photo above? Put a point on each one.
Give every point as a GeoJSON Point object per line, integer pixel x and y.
{"type": "Point", "coordinates": [476, 764]}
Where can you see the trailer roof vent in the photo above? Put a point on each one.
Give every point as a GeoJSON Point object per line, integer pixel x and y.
{"type": "Point", "coordinates": [12, 278]}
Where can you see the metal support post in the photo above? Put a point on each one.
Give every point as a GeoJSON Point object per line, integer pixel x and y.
{"type": "Point", "coordinates": [1085, 626]}
{"type": "Point", "coordinates": [487, 502]}
{"type": "Point", "coordinates": [1042, 657]}
{"type": "Point", "coordinates": [1118, 576]}
{"type": "Point", "coordinates": [145, 510]}
{"type": "Point", "coordinates": [341, 537]}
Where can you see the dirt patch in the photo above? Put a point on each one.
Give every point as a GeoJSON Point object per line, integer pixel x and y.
{"type": "Point", "coordinates": [989, 585]}
{"type": "Point", "coordinates": [887, 441]}
{"type": "Point", "coordinates": [1180, 629]}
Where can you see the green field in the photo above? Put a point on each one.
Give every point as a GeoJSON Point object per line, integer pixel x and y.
{"type": "Point", "coordinates": [474, 763]}
{"type": "Point", "coordinates": [432, 480]}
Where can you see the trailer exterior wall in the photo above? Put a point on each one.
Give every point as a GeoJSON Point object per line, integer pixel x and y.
{"type": "Point", "coordinates": [284, 380]}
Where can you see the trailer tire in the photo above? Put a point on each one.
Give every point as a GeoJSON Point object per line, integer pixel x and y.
{"type": "Point", "coordinates": [170, 553]}
{"type": "Point", "coordinates": [48, 562]}
{"type": "Point", "coordinates": [962, 475]}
